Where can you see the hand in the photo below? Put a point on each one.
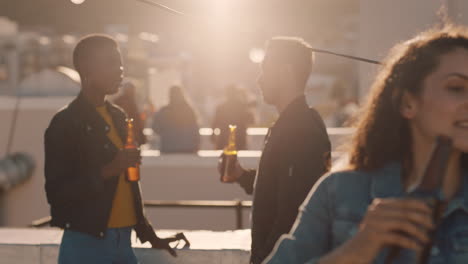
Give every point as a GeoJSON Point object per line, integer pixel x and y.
{"type": "Point", "coordinates": [234, 174]}
{"type": "Point", "coordinates": [123, 159]}
{"type": "Point", "coordinates": [163, 243]}
{"type": "Point", "coordinates": [388, 222]}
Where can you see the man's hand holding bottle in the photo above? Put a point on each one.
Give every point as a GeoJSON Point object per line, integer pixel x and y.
{"type": "Point", "coordinates": [228, 164]}
{"type": "Point", "coordinates": [232, 172]}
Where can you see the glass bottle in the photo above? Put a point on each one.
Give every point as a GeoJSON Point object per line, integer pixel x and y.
{"type": "Point", "coordinates": [230, 156]}
{"type": "Point", "coordinates": [133, 173]}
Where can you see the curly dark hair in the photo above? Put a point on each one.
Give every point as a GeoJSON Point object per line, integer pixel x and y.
{"type": "Point", "coordinates": [382, 134]}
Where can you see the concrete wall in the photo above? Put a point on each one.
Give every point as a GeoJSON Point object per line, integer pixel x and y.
{"type": "Point", "coordinates": [27, 201]}
{"type": "Point", "coordinates": [184, 177]}
{"type": "Point", "coordinates": [164, 178]}
{"type": "Point", "coordinates": [167, 177]}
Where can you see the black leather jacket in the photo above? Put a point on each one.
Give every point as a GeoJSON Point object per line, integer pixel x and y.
{"type": "Point", "coordinates": [76, 149]}
{"type": "Point", "coordinates": [296, 153]}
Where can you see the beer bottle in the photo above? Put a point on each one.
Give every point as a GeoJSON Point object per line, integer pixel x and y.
{"type": "Point", "coordinates": [230, 156]}
{"type": "Point", "coordinates": [133, 173]}
{"type": "Point", "coordinates": [429, 189]}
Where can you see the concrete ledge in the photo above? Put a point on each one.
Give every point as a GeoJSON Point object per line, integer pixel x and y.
{"type": "Point", "coordinates": [26, 246]}
{"type": "Point", "coordinates": [53, 103]}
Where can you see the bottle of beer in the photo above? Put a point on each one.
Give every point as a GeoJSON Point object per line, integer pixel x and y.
{"type": "Point", "coordinates": [133, 173]}
{"type": "Point", "coordinates": [429, 189]}
{"type": "Point", "coordinates": [230, 156]}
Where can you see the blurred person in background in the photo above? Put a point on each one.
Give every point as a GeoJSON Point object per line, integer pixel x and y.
{"type": "Point", "coordinates": [347, 108]}
{"type": "Point", "coordinates": [297, 148]}
{"type": "Point", "coordinates": [235, 110]}
{"type": "Point", "coordinates": [345, 105]}
{"type": "Point", "coordinates": [127, 99]}
{"type": "Point", "coordinates": [177, 125]}
{"type": "Point", "coordinates": [85, 166]}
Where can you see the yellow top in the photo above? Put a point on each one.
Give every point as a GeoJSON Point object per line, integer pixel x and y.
{"type": "Point", "coordinates": [123, 207]}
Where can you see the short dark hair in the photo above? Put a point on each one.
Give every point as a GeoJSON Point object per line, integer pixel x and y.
{"type": "Point", "coordinates": [294, 51]}
{"type": "Point", "coordinates": [88, 45]}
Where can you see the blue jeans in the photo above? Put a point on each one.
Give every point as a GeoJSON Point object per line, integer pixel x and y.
{"type": "Point", "coordinates": [115, 248]}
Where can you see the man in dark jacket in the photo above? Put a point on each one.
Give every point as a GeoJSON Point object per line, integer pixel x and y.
{"type": "Point", "coordinates": [85, 166]}
{"type": "Point", "coordinates": [297, 148]}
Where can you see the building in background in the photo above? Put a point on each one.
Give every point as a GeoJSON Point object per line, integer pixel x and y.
{"type": "Point", "coordinates": [208, 53]}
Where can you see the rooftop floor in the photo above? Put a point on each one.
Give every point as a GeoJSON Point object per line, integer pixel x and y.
{"type": "Point", "coordinates": [27, 245]}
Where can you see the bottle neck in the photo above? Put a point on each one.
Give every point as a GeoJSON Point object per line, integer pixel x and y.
{"type": "Point", "coordinates": [231, 147]}
{"type": "Point", "coordinates": [232, 139]}
{"type": "Point", "coordinates": [437, 167]}
{"type": "Point", "coordinates": [130, 142]}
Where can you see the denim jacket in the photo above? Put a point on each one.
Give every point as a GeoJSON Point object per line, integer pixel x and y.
{"type": "Point", "coordinates": [338, 202]}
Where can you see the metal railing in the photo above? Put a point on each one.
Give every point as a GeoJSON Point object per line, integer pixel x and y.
{"type": "Point", "coordinates": [237, 205]}
{"type": "Point", "coordinates": [262, 131]}
{"type": "Point", "coordinates": [41, 222]}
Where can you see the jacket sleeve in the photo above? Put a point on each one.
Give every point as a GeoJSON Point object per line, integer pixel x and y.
{"type": "Point", "coordinates": [306, 159]}
{"type": "Point", "coordinates": [309, 238]}
{"type": "Point", "coordinates": [145, 231]}
{"type": "Point", "coordinates": [66, 183]}
{"type": "Point", "coordinates": [247, 180]}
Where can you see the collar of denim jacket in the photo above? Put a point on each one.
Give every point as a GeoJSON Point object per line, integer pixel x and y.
{"type": "Point", "coordinates": [460, 201]}
{"type": "Point", "coordinates": [387, 183]}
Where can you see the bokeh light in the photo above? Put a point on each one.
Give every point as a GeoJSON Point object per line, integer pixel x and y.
{"type": "Point", "coordinates": [77, 2]}
{"type": "Point", "coordinates": [43, 40]}
{"type": "Point", "coordinates": [256, 55]}
{"type": "Point", "coordinates": [148, 37]}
